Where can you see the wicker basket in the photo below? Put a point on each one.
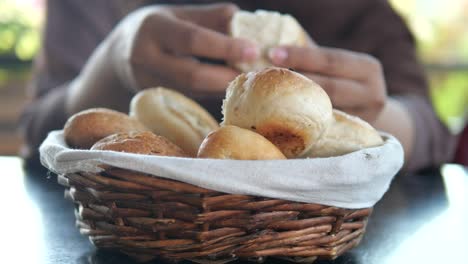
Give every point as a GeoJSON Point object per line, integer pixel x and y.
{"type": "Point", "coordinates": [149, 217]}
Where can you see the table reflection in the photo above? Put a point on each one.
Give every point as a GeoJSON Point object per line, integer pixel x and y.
{"type": "Point", "coordinates": [447, 228]}
{"type": "Point", "coordinates": [21, 220]}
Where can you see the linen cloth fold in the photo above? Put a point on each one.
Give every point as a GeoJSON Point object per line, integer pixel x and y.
{"type": "Point", "coordinates": [355, 180]}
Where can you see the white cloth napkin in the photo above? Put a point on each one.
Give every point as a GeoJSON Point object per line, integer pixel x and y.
{"type": "Point", "coordinates": [355, 180]}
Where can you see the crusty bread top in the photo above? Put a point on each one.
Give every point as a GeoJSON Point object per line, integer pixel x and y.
{"type": "Point", "coordinates": [83, 129]}
{"type": "Point", "coordinates": [345, 134]}
{"type": "Point", "coordinates": [286, 107]}
{"type": "Point", "coordinates": [231, 142]}
{"type": "Point", "coordinates": [267, 29]}
{"type": "Point", "coordinates": [171, 114]}
{"type": "Point", "coordinates": [139, 142]}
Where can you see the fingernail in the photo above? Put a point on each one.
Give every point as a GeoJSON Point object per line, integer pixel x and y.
{"type": "Point", "coordinates": [277, 55]}
{"type": "Point", "coordinates": [250, 53]}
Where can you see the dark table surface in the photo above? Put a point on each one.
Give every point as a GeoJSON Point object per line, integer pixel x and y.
{"type": "Point", "coordinates": [423, 218]}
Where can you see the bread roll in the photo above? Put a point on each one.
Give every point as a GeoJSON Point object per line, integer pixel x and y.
{"type": "Point", "coordinates": [139, 142]}
{"type": "Point", "coordinates": [231, 142]}
{"type": "Point", "coordinates": [268, 29]}
{"type": "Point", "coordinates": [174, 116]}
{"type": "Point", "coordinates": [287, 108]}
{"type": "Point", "coordinates": [346, 134]}
{"type": "Point", "coordinates": [83, 129]}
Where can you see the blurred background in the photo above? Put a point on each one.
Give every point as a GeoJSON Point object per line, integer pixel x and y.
{"type": "Point", "coordinates": [440, 28]}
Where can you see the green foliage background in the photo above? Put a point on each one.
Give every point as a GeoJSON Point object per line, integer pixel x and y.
{"type": "Point", "coordinates": [441, 31]}
{"type": "Point", "coordinates": [20, 30]}
{"type": "Point", "coordinates": [20, 24]}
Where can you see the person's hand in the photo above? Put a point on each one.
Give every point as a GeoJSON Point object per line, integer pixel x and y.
{"type": "Point", "coordinates": [169, 46]}
{"type": "Point", "coordinates": [354, 81]}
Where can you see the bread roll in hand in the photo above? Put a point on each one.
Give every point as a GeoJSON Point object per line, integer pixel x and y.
{"type": "Point", "coordinates": [83, 129]}
{"type": "Point", "coordinates": [346, 134]}
{"type": "Point", "coordinates": [231, 142]}
{"type": "Point", "coordinates": [139, 142]}
{"type": "Point", "coordinates": [172, 115]}
{"type": "Point", "coordinates": [286, 107]}
{"type": "Point", "coordinates": [267, 29]}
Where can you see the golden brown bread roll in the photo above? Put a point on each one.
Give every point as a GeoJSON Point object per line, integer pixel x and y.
{"type": "Point", "coordinates": [172, 115]}
{"type": "Point", "coordinates": [231, 142]}
{"type": "Point", "coordinates": [287, 108]}
{"type": "Point", "coordinates": [267, 29]}
{"type": "Point", "coordinates": [85, 128]}
{"type": "Point", "coordinates": [139, 142]}
{"type": "Point", "coordinates": [345, 134]}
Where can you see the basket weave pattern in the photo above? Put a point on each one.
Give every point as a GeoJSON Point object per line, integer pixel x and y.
{"type": "Point", "coordinates": [145, 216]}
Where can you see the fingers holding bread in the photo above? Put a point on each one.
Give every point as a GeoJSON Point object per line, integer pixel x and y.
{"type": "Point", "coordinates": [270, 113]}
{"type": "Point", "coordinates": [170, 114]}
{"type": "Point", "coordinates": [267, 29]}
{"type": "Point", "coordinates": [85, 128]}
{"type": "Point", "coordinates": [231, 142]}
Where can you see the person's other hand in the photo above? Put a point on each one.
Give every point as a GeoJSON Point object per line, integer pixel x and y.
{"type": "Point", "coordinates": [169, 46]}
{"type": "Point", "coordinates": [354, 81]}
